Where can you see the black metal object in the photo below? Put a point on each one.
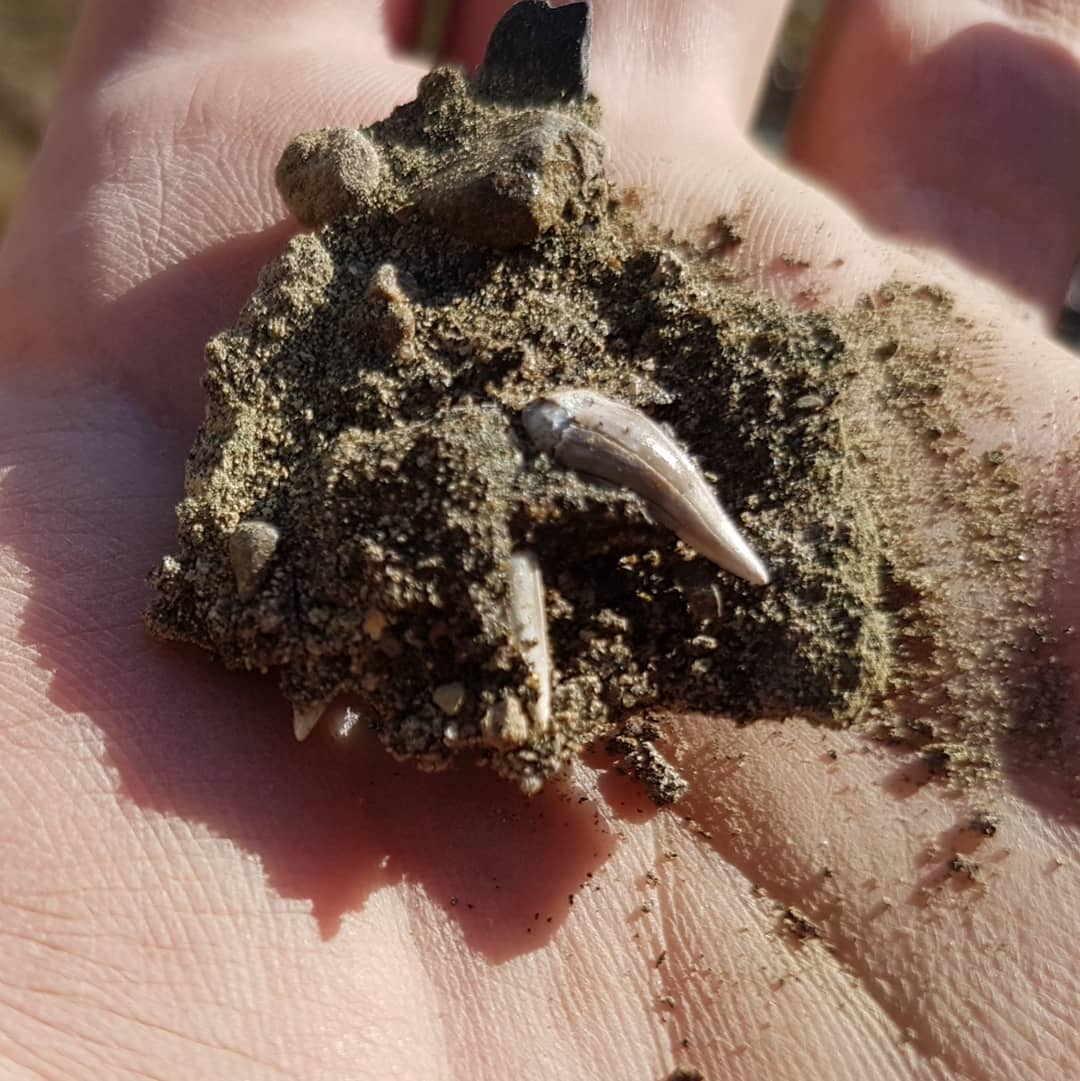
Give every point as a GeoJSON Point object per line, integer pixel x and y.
{"type": "Point", "coordinates": [538, 54]}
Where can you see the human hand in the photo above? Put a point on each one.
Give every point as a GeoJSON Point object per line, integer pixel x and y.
{"type": "Point", "coordinates": [186, 893]}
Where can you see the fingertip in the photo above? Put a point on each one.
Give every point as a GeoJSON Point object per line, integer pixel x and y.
{"type": "Point", "coordinates": [403, 22]}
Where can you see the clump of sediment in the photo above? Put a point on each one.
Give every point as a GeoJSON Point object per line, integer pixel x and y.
{"type": "Point", "coordinates": [362, 479]}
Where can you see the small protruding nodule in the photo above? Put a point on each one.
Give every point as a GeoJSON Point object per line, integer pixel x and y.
{"type": "Point", "coordinates": [305, 718]}
{"type": "Point", "coordinates": [323, 174]}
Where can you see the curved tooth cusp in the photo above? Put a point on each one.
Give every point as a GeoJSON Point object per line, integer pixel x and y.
{"type": "Point", "coordinates": [606, 439]}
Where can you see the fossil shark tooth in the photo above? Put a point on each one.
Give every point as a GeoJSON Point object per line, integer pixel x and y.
{"type": "Point", "coordinates": [603, 438]}
{"type": "Point", "coordinates": [528, 623]}
{"type": "Point", "coordinates": [306, 718]}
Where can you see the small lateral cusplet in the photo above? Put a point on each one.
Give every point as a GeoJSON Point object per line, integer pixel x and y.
{"type": "Point", "coordinates": [607, 439]}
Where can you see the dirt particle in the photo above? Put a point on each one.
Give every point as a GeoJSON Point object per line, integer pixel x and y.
{"type": "Point", "coordinates": [799, 926]}
{"type": "Point", "coordinates": [639, 758]}
{"type": "Point", "coordinates": [984, 823]}
{"type": "Point", "coordinates": [963, 865]}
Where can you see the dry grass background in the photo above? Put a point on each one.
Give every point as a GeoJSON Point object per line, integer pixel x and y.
{"type": "Point", "coordinates": [34, 39]}
{"type": "Point", "coordinates": [35, 36]}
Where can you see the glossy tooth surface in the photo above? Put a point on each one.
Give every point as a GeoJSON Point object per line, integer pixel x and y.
{"type": "Point", "coordinates": [606, 439]}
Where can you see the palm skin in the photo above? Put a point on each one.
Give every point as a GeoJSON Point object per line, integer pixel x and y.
{"type": "Point", "coordinates": [187, 894]}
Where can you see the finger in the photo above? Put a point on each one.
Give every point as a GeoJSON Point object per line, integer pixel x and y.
{"type": "Point", "coordinates": [711, 54]}
{"type": "Point", "coordinates": [115, 30]}
{"type": "Point", "coordinates": [951, 125]}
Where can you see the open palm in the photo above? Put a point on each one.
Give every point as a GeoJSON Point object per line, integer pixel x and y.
{"type": "Point", "coordinates": [188, 894]}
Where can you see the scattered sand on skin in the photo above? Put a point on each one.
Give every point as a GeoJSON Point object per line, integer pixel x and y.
{"type": "Point", "coordinates": [362, 475]}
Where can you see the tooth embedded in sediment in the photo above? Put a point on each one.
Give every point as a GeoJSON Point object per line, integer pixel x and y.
{"type": "Point", "coordinates": [611, 441]}
{"type": "Point", "coordinates": [530, 783]}
{"type": "Point", "coordinates": [508, 723]}
{"type": "Point", "coordinates": [305, 719]}
{"type": "Point", "coordinates": [528, 624]}
{"type": "Point", "coordinates": [251, 547]}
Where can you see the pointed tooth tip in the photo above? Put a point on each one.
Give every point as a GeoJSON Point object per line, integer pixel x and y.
{"type": "Point", "coordinates": [305, 720]}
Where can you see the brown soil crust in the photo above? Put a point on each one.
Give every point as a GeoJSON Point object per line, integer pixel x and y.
{"type": "Point", "coordinates": [469, 257]}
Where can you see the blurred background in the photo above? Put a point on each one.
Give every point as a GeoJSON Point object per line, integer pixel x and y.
{"type": "Point", "coordinates": [34, 37]}
{"type": "Point", "coordinates": [35, 34]}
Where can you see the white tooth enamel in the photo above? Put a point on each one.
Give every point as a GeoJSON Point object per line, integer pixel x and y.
{"type": "Point", "coordinates": [305, 720]}
{"type": "Point", "coordinates": [603, 438]}
{"type": "Point", "coordinates": [528, 623]}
